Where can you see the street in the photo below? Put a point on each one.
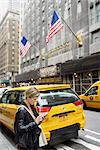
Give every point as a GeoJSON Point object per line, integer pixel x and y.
{"type": "Point", "coordinates": [49, 72]}
{"type": "Point", "coordinates": [89, 139]}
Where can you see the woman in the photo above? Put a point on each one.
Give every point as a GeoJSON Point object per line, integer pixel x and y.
{"type": "Point", "coordinates": [27, 122]}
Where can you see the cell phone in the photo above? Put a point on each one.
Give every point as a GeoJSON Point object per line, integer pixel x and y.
{"type": "Point", "coordinates": [44, 115]}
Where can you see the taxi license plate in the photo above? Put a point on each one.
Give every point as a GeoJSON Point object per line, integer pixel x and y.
{"type": "Point", "coordinates": [62, 117]}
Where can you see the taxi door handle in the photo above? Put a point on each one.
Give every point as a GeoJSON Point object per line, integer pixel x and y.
{"type": "Point", "coordinates": [91, 97]}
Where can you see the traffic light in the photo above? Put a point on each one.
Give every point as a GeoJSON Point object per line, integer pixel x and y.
{"type": "Point", "coordinates": [79, 40]}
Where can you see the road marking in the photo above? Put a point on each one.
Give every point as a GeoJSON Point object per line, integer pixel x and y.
{"type": "Point", "coordinates": [97, 133]}
{"type": "Point", "coordinates": [92, 138]}
{"type": "Point", "coordinates": [63, 147]}
{"type": "Point", "coordinates": [88, 145]}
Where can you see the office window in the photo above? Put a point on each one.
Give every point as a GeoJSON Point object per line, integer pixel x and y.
{"type": "Point", "coordinates": [13, 21]}
{"type": "Point", "coordinates": [95, 36]}
{"type": "Point", "coordinates": [12, 64]}
{"type": "Point", "coordinates": [69, 12]}
{"type": "Point", "coordinates": [91, 15]}
{"type": "Point", "coordinates": [43, 31]}
{"type": "Point", "coordinates": [13, 52]}
{"type": "Point", "coordinates": [13, 27]}
{"type": "Point", "coordinates": [59, 1]}
{"type": "Point", "coordinates": [13, 32]}
{"type": "Point", "coordinates": [13, 59]}
{"type": "Point", "coordinates": [13, 47]}
{"type": "Point", "coordinates": [13, 37]}
{"type": "Point", "coordinates": [13, 42]}
{"type": "Point", "coordinates": [79, 7]}
{"type": "Point", "coordinates": [98, 12]}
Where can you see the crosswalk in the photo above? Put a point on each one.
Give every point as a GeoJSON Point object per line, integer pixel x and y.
{"type": "Point", "coordinates": [63, 147]}
{"type": "Point", "coordinates": [76, 144]}
{"type": "Point", "coordinates": [73, 144]}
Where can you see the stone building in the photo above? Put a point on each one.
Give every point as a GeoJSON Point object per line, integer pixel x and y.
{"type": "Point", "coordinates": [9, 46]}
{"type": "Point", "coordinates": [62, 60]}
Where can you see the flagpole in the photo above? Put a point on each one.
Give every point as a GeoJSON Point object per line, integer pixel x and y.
{"type": "Point", "coordinates": [20, 40]}
{"type": "Point", "coordinates": [69, 27]}
{"type": "Point", "coordinates": [40, 55]}
{"type": "Point", "coordinates": [55, 3]}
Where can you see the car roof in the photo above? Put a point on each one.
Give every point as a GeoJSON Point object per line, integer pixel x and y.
{"type": "Point", "coordinates": [42, 87]}
{"type": "Point", "coordinates": [4, 88]}
{"type": "Point", "coordinates": [96, 83]}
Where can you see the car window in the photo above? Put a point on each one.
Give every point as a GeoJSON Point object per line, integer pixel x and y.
{"type": "Point", "coordinates": [21, 96]}
{"type": "Point", "coordinates": [15, 97]}
{"type": "Point", "coordinates": [11, 97]}
{"type": "Point", "coordinates": [2, 90]}
{"type": "Point", "coordinates": [93, 91]}
{"type": "Point", "coordinates": [4, 98]}
{"type": "Point", "coordinates": [57, 97]}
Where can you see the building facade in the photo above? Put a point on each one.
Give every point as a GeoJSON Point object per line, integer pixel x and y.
{"type": "Point", "coordinates": [13, 5]}
{"type": "Point", "coordinates": [9, 46]}
{"type": "Point", "coordinates": [8, 5]}
{"type": "Point", "coordinates": [84, 70]}
{"type": "Point", "coordinates": [62, 58]}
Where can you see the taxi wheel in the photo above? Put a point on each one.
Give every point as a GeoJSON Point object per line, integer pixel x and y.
{"type": "Point", "coordinates": [47, 147]}
{"type": "Point", "coordinates": [1, 127]}
{"type": "Point", "coordinates": [84, 105]}
{"type": "Point", "coordinates": [76, 135]}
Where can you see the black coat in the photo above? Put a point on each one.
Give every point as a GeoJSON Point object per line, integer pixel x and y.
{"type": "Point", "coordinates": [26, 130]}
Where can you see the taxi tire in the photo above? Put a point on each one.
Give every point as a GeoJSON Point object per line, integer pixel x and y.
{"type": "Point", "coordinates": [84, 105]}
{"type": "Point", "coordinates": [1, 128]}
{"type": "Point", "coordinates": [76, 135]}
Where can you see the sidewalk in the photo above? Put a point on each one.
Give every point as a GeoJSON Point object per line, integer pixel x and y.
{"type": "Point", "coordinates": [5, 143]}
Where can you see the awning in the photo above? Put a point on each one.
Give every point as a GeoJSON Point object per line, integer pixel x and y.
{"type": "Point", "coordinates": [90, 63]}
{"type": "Point", "coordinates": [24, 77]}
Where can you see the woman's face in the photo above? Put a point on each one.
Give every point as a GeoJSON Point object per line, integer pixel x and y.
{"type": "Point", "coordinates": [32, 100]}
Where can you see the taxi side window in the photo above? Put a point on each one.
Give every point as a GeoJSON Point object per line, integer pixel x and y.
{"type": "Point", "coordinates": [11, 98]}
{"type": "Point", "coordinates": [21, 97]}
{"type": "Point", "coordinates": [93, 91]}
{"type": "Point", "coordinates": [4, 98]}
{"type": "Point", "coordinates": [15, 97]}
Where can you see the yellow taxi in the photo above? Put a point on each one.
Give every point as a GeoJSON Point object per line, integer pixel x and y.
{"type": "Point", "coordinates": [91, 98]}
{"type": "Point", "coordinates": [65, 116]}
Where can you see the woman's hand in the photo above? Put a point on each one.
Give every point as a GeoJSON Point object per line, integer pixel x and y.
{"type": "Point", "coordinates": [39, 119]}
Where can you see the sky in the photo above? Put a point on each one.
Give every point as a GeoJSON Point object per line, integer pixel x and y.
{"type": "Point", "coordinates": [3, 8]}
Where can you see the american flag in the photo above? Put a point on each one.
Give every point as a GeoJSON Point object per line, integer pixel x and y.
{"type": "Point", "coordinates": [56, 25]}
{"type": "Point", "coordinates": [24, 46]}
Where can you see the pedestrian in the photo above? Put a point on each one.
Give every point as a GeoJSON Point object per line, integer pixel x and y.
{"type": "Point", "coordinates": [27, 123]}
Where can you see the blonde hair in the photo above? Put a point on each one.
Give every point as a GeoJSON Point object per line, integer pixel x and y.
{"type": "Point", "coordinates": [32, 92]}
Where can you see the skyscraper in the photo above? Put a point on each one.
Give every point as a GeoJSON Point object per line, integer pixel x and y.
{"type": "Point", "coordinates": [9, 40]}
{"type": "Point", "coordinates": [11, 5]}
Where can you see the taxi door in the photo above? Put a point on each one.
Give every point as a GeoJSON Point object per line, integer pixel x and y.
{"type": "Point", "coordinates": [8, 109]}
{"type": "Point", "coordinates": [3, 109]}
{"type": "Point", "coordinates": [13, 101]}
{"type": "Point", "coordinates": [91, 97]}
{"type": "Point", "coordinates": [98, 105]}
